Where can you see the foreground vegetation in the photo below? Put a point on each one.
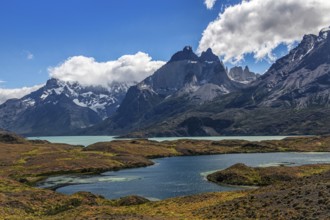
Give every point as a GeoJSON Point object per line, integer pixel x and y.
{"type": "Point", "coordinates": [305, 194]}
{"type": "Point", "coordinates": [240, 174]}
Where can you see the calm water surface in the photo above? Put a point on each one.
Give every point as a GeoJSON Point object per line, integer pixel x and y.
{"type": "Point", "coordinates": [176, 176]}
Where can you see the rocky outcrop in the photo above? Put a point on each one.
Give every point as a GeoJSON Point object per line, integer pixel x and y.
{"type": "Point", "coordinates": [241, 174]}
{"type": "Point", "coordinates": [300, 79]}
{"type": "Point", "coordinates": [241, 75]}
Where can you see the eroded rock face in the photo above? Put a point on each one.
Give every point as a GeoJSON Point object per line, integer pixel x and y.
{"type": "Point", "coordinates": [300, 79]}
{"type": "Point", "coordinates": [241, 75]}
{"type": "Point", "coordinates": [196, 97]}
{"type": "Point", "coordinates": [186, 73]}
{"type": "Point", "coordinates": [185, 80]}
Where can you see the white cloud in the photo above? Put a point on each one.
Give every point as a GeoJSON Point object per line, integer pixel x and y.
{"type": "Point", "coordinates": [6, 94]}
{"type": "Point", "coordinates": [259, 26]}
{"type": "Point", "coordinates": [87, 71]}
{"type": "Point", "coordinates": [209, 3]}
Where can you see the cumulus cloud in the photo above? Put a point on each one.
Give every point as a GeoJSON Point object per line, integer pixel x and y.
{"type": "Point", "coordinates": [259, 26]}
{"type": "Point", "coordinates": [209, 3]}
{"type": "Point", "coordinates": [89, 72]}
{"type": "Point", "coordinates": [6, 94]}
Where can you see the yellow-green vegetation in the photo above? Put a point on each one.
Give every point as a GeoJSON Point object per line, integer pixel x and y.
{"type": "Point", "coordinates": [139, 147]}
{"type": "Point", "coordinates": [240, 174]}
{"type": "Point", "coordinates": [305, 195]}
{"type": "Point", "coordinates": [303, 198]}
{"type": "Point", "coordinates": [176, 208]}
{"type": "Point", "coordinates": [20, 201]}
{"type": "Point", "coordinates": [28, 161]}
{"type": "Point", "coordinates": [153, 149]}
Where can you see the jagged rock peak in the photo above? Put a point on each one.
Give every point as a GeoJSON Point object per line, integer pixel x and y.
{"type": "Point", "coordinates": [209, 56]}
{"type": "Point", "coordinates": [52, 82]}
{"type": "Point", "coordinates": [311, 38]}
{"type": "Point", "coordinates": [186, 54]}
{"type": "Point", "coordinates": [241, 75]}
{"type": "Point", "coordinates": [324, 33]}
{"type": "Point", "coordinates": [187, 48]}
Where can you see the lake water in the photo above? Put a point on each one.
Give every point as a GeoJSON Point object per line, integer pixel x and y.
{"type": "Point", "coordinates": [176, 176]}
{"type": "Point", "coordinates": [87, 140]}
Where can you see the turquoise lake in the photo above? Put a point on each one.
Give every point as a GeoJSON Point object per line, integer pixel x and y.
{"type": "Point", "coordinates": [87, 140]}
{"type": "Point", "coordinates": [171, 177]}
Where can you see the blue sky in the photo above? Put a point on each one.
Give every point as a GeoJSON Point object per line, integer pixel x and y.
{"type": "Point", "coordinates": [51, 31]}
{"type": "Point", "coordinates": [38, 34]}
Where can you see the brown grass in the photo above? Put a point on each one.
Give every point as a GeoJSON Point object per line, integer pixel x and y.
{"type": "Point", "coordinates": [24, 162]}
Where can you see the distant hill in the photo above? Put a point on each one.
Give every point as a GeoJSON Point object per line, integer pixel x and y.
{"type": "Point", "coordinates": [10, 138]}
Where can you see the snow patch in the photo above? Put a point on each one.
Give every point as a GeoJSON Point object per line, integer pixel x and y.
{"type": "Point", "coordinates": [325, 29]}
{"type": "Point", "coordinates": [44, 95]}
{"type": "Point", "coordinates": [76, 101]}
{"type": "Point", "coordinates": [29, 102]}
{"type": "Point", "coordinates": [224, 89]}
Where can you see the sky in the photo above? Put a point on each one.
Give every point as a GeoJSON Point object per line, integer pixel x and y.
{"type": "Point", "coordinates": [100, 41]}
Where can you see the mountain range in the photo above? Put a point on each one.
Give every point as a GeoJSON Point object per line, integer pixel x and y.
{"type": "Point", "coordinates": [190, 95]}
{"type": "Point", "coordinates": [60, 108]}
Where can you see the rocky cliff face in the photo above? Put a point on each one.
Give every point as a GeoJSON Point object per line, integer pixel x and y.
{"type": "Point", "coordinates": [60, 107]}
{"type": "Point", "coordinates": [188, 73]}
{"type": "Point", "coordinates": [300, 79]}
{"type": "Point", "coordinates": [241, 75]}
{"type": "Point", "coordinates": [293, 97]}
{"type": "Point", "coordinates": [186, 80]}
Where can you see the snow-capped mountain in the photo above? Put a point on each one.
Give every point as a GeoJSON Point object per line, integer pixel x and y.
{"type": "Point", "coordinates": [300, 79]}
{"type": "Point", "coordinates": [103, 101]}
{"type": "Point", "coordinates": [61, 107]}
{"type": "Point", "coordinates": [186, 80]}
{"type": "Point", "coordinates": [292, 97]}
{"type": "Point", "coordinates": [201, 78]}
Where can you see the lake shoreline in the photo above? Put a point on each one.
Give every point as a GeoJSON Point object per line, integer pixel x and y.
{"type": "Point", "coordinates": [40, 183]}
{"type": "Point", "coordinates": [89, 140]}
{"type": "Point", "coordinates": [23, 162]}
{"type": "Point", "coordinates": [146, 150]}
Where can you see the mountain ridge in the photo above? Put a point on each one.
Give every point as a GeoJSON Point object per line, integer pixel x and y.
{"type": "Point", "coordinates": [291, 98]}
{"type": "Point", "coordinates": [185, 81]}
{"type": "Point", "coordinates": [190, 95]}
{"type": "Point", "coordinates": [60, 108]}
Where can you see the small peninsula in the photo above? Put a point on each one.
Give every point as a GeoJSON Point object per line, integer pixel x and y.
{"type": "Point", "coordinates": [291, 191]}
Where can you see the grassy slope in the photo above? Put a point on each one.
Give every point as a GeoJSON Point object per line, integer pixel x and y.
{"type": "Point", "coordinates": [240, 174]}
{"type": "Point", "coordinates": [304, 198]}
